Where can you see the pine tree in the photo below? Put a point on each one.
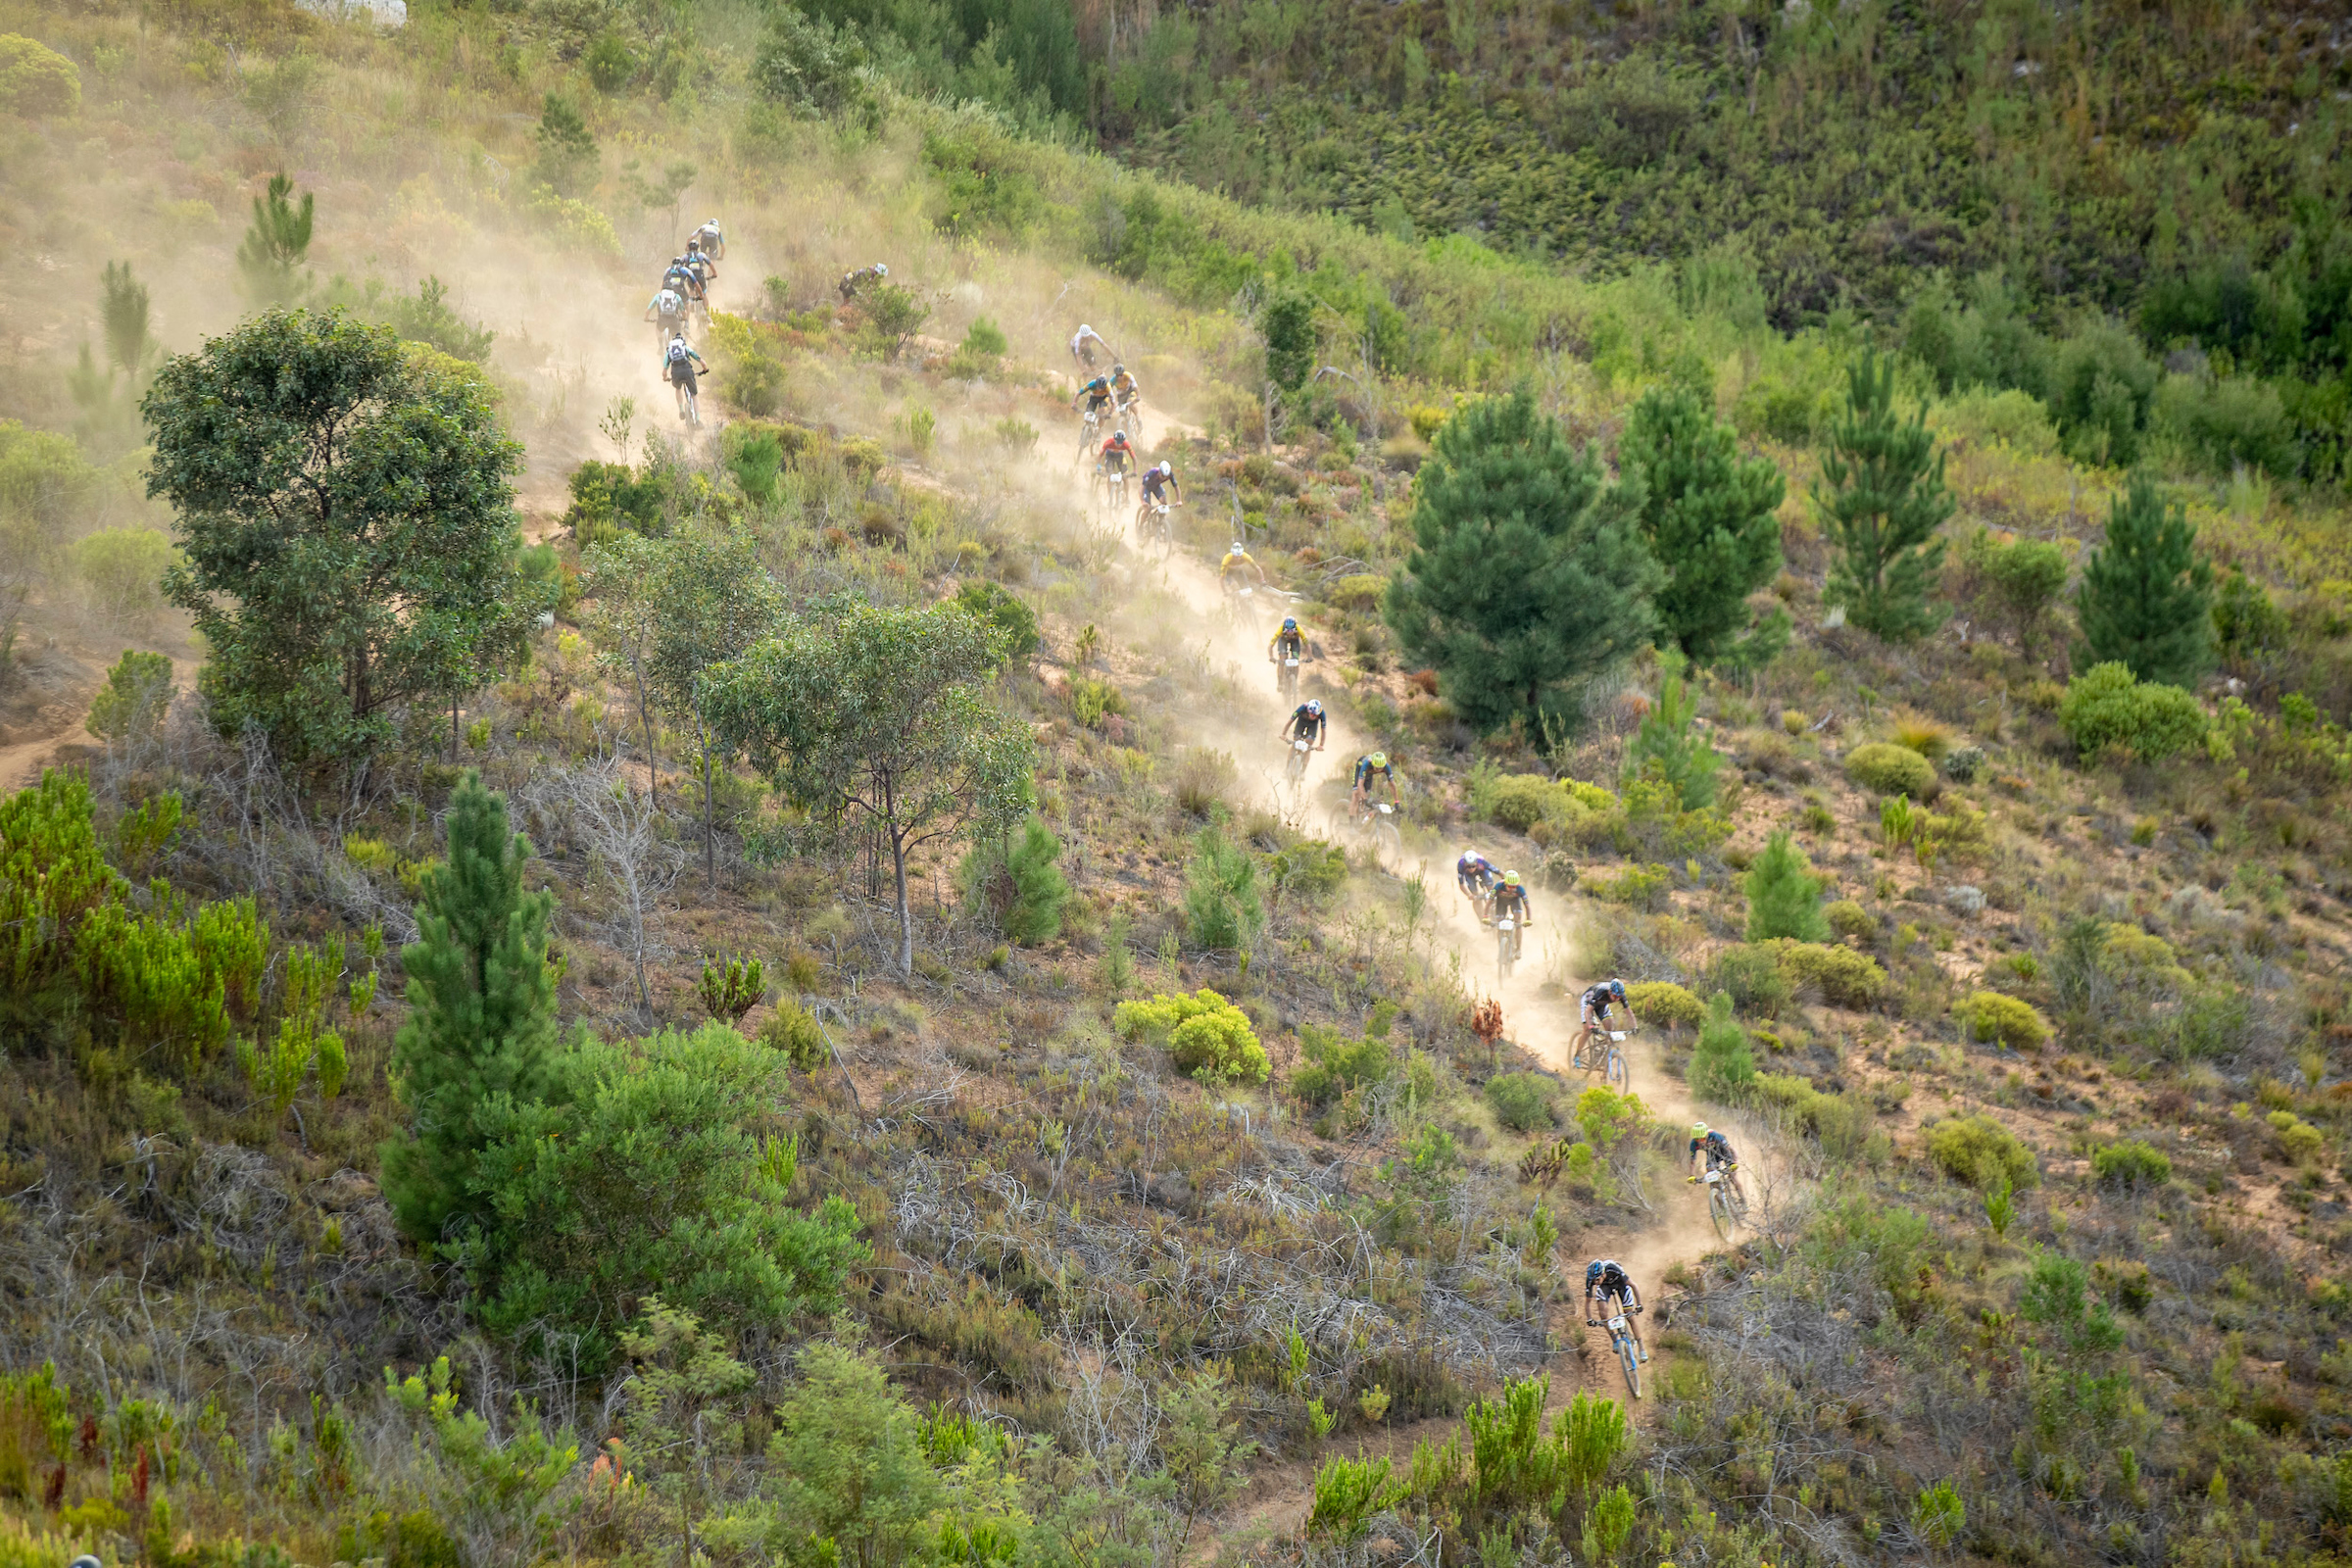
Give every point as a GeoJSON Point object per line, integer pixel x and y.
{"type": "Point", "coordinates": [1784, 896]}
{"type": "Point", "coordinates": [1709, 518]}
{"type": "Point", "coordinates": [482, 1033]}
{"type": "Point", "coordinates": [1883, 496]}
{"type": "Point", "coordinates": [276, 243]}
{"type": "Point", "coordinates": [2146, 599]}
{"type": "Point", "coordinates": [567, 156]}
{"type": "Point", "coordinates": [1667, 746]}
{"type": "Point", "coordinates": [1722, 1064]}
{"type": "Point", "coordinates": [1528, 578]}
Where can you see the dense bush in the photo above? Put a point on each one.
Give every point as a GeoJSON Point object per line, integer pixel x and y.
{"type": "Point", "coordinates": [1012, 619]}
{"type": "Point", "coordinates": [1838, 975]}
{"type": "Point", "coordinates": [1223, 908]}
{"type": "Point", "coordinates": [1850, 921]}
{"type": "Point", "coordinates": [795, 1035]}
{"type": "Point", "coordinates": [1783, 896]}
{"type": "Point", "coordinates": [2131, 1163]}
{"type": "Point", "coordinates": [2105, 706]}
{"type": "Point", "coordinates": [1753, 978]}
{"type": "Point", "coordinates": [1663, 1004]}
{"type": "Point", "coordinates": [1980, 1151]}
{"type": "Point", "coordinates": [1990, 1015]}
{"type": "Point", "coordinates": [1019, 883]}
{"type": "Point", "coordinates": [1206, 1036]}
{"type": "Point", "coordinates": [1842, 1122]}
{"type": "Point", "coordinates": [1519, 801]}
{"type": "Point", "coordinates": [1521, 1101]}
{"type": "Point", "coordinates": [1888, 769]}
{"type": "Point", "coordinates": [1335, 1066]}
{"type": "Point", "coordinates": [1723, 1067]}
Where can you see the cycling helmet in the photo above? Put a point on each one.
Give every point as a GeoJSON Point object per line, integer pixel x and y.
{"type": "Point", "coordinates": [1117, 368]}
{"type": "Point", "coordinates": [1699, 1129]}
{"type": "Point", "coordinates": [1239, 549]}
{"type": "Point", "coordinates": [1315, 706]}
{"type": "Point", "coordinates": [1167, 470]}
{"type": "Point", "coordinates": [1469, 854]}
{"type": "Point", "coordinates": [1380, 758]}
{"type": "Point", "coordinates": [1118, 435]}
{"type": "Point", "coordinates": [1290, 624]}
{"type": "Point", "coordinates": [694, 242]}
{"type": "Point", "coordinates": [1085, 331]}
{"type": "Point", "coordinates": [1511, 879]}
{"type": "Point", "coordinates": [1617, 989]}
{"type": "Point", "coordinates": [1597, 1267]}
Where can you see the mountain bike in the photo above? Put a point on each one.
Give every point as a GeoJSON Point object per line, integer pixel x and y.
{"type": "Point", "coordinates": [1089, 431]}
{"type": "Point", "coordinates": [1377, 820]}
{"type": "Point", "coordinates": [1241, 600]}
{"type": "Point", "coordinates": [1293, 767]}
{"type": "Point", "coordinates": [1507, 944]}
{"type": "Point", "coordinates": [1114, 490]}
{"type": "Point", "coordinates": [1286, 677]}
{"type": "Point", "coordinates": [1602, 1052]}
{"type": "Point", "coordinates": [1628, 1348]}
{"type": "Point", "coordinates": [1151, 527]}
{"type": "Point", "coordinates": [1725, 1206]}
{"type": "Point", "coordinates": [1130, 419]}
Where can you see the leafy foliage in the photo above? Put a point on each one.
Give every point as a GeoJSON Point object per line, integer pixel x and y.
{"type": "Point", "coordinates": [1722, 1065]}
{"type": "Point", "coordinates": [1990, 1015]}
{"type": "Point", "coordinates": [131, 705]}
{"type": "Point", "coordinates": [343, 501]}
{"type": "Point", "coordinates": [1664, 1004]}
{"type": "Point", "coordinates": [1223, 908]}
{"type": "Point", "coordinates": [2105, 706]}
{"type": "Point", "coordinates": [2146, 600]}
{"type": "Point", "coordinates": [1980, 1151]}
{"type": "Point", "coordinates": [1783, 896]}
{"type": "Point", "coordinates": [1205, 1035]}
{"type": "Point", "coordinates": [1667, 748]}
{"type": "Point", "coordinates": [1707, 515]}
{"type": "Point", "coordinates": [1526, 577]}
{"type": "Point", "coordinates": [1888, 769]}
{"type": "Point", "coordinates": [1882, 498]}
{"type": "Point", "coordinates": [1521, 1101]}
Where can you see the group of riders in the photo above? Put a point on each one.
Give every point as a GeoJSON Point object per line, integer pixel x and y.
{"type": "Point", "coordinates": [1606, 1282]}
{"type": "Point", "coordinates": [685, 293]}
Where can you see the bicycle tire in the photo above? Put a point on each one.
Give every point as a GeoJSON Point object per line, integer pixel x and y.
{"type": "Point", "coordinates": [1613, 1071]}
{"type": "Point", "coordinates": [1629, 1360]}
{"type": "Point", "coordinates": [1719, 1209]}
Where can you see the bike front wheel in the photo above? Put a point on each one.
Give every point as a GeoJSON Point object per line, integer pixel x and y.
{"type": "Point", "coordinates": [1630, 1357]}
{"type": "Point", "coordinates": [1614, 1073]}
{"type": "Point", "coordinates": [1719, 1209]}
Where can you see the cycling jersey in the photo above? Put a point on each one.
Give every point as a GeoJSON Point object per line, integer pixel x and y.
{"type": "Point", "coordinates": [1125, 386]}
{"type": "Point", "coordinates": [1096, 394]}
{"type": "Point", "coordinates": [1155, 485]}
{"type": "Point", "coordinates": [1365, 772]}
{"type": "Point", "coordinates": [1474, 869]}
{"type": "Point", "coordinates": [1115, 455]}
{"type": "Point", "coordinates": [1510, 900]}
{"type": "Point", "coordinates": [1234, 559]}
{"type": "Point", "coordinates": [1293, 643]}
{"type": "Point", "coordinates": [1718, 1148]}
{"type": "Point", "coordinates": [1597, 1001]}
{"type": "Point", "coordinates": [1307, 726]}
{"type": "Point", "coordinates": [1083, 341]}
{"type": "Point", "coordinates": [1606, 1278]}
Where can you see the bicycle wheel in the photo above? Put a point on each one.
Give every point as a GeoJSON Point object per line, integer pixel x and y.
{"type": "Point", "coordinates": [1631, 1359]}
{"type": "Point", "coordinates": [1613, 1071]}
{"type": "Point", "coordinates": [1719, 1209]}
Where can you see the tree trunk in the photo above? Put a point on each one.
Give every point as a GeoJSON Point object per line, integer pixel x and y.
{"type": "Point", "coordinates": [898, 858]}
{"type": "Point", "coordinates": [645, 721]}
{"type": "Point", "coordinates": [710, 822]}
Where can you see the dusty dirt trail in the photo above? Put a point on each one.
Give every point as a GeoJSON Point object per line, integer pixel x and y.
{"type": "Point", "coordinates": [1543, 1023]}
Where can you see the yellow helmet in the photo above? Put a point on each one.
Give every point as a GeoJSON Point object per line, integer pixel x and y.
{"type": "Point", "coordinates": [1511, 879]}
{"type": "Point", "coordinates": [1380, 758]}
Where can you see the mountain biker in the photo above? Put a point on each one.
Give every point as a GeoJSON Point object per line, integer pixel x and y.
{"type": "Point", "coordinates": [1510, 899]}
{"type": "Point", "coordinates": [1116, 453]}
{"type": "Point", "coordinates": [1372, 769]}
{"type": "Point", "coordinates": [1158, 480]}
{"type": "Point", "coordinates": [851, 283]}
{"type": "Point", "coordinates": [1719, 1156]}
{"type": "Point", "coordinates": [667, 309]}
{"type": "Point", "coordinates": [1604, 1278]}
{"type": "Point", "coordinates": [699, 260]}
{"type": "Point", "coordinates": [683, 277]}
{"type": "Point", "coordinates": [1235, 559]}
{"type": "Point", "coordinates": [711, 237]}
{"type": "Point", "coordinates": [1287, 642]}
{"type": "Point", "coordinates": [1476, 876]}
{"type": "Point", "coordinates": [1082, 348]}
{"type": "Point", "coordinates": [1307, 721]}
{"type": "Point", "coordinates": [1094, 397]}
{"type": "Point", "coordinates": [679, 362]}
{"type": "Point", "coordinates": [1592, 1010]}
{"type": "Point", "coordinates": [1124, 386]}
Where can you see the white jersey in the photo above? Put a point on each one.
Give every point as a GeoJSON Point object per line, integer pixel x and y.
{"type": "Point", "coordinates": [669, 302]}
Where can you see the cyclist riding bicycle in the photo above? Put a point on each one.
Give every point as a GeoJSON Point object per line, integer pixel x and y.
{"type": "Point", "coordinates": [853, 283]}
{"type": "Point", "coordinates": [679, 362]}
{"type": "Point", "coordinates": [1287, 642]}
{"type": "Point", "coordinates": [1158, 480]}
{"type": "Point", "coordinates": [1116, 453]}
{"type": "Point", "coordinates": [1719, 1156]}
{"type": "Point", "coordinates": [667, 309]}
{"type": "Point", "coordinates": [1094, 397]}
{"type": "Point", "coordinates": [1476, 876]}
{"type": "Point", "coordinates": [1124, 386]}
{"type": "Point", "coordinates": [1083, 343]}
{"type": "Point", "coordinates": [1510, 898]}
{"type": "Point", "coordinates": [1605, 1279]}
{"type": "Point", "coordinates": [1371, 770]}
{"type": "Point", "coordinates": [683, 277]}
{"type": "Point", "coordinates": [1592, 1010]}
{"type": "Point", "coordinates": [699, 261]}
{"type": "Point", "coordinates": [710, 237]}
{"type": "Point", "coordinates": [1236, 559]}
{"type": "Point", "coordinates": [1307, 721]}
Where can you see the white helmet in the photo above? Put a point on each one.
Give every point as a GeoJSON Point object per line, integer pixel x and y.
{"type": "Point", "coordinates": [1167, 470]}
{"type": "Point", "coordinates": [1238, 548]}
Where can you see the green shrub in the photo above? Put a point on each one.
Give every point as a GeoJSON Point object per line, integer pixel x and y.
{"type": "Point", "coordinates": [1888, 770]}
{"type": "Point", "coordinates": [1521, 1101]}
{"type": "Point", "coordinates": [1839, 975]}
{"type": "Point", "coordinates": [1336, 1064]}
{"type": "Point", "coordinates": [1983, 1154]}
{"type": "Point", "coordinates": [794, 1035]}
{"type": "Point", "coordinates": [1850, 921]}
{"type": "Point", "coordinates": [2298, 1139]}
{"type": "Point", "coordinates": [1637, 887]}
{"type": "Point", "coordinates": [2105, 706]}
{"type": "Point", "coordinates": [1206, 1036]}
{"type": "Point", "coordinates": [1664, 1003]}
{"type": "Point", "coordinates": [1754, 978]}
{"type": "Point", "coordinates": [2131, 1163]}
{"type": "Point", "coordinates": [121, 571]}
{"type": "Point", "coordinates": [993, 606]}
{"type": "Point", "coordinates": [1783, 896]}
{"type": "Point", "coordinates": [36, 79]}
{"type": "Point", "coordinates": [1222, 906]}
{"type": "Point", "coordinates": [1841, 1122]}
{"type": "Point", "coordinates": [1516, 800]}
{"type": "Point", "coordinates": [1723, 1067]}
{"type": "Point", "coordinates": [2222, 426]}
{"type": "Point", "coordinates": [1990, 1015]}
{"type": "Point", "coordinates": [1019, 882]}
{"type": "Point", "coordinates": [133, 702]}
